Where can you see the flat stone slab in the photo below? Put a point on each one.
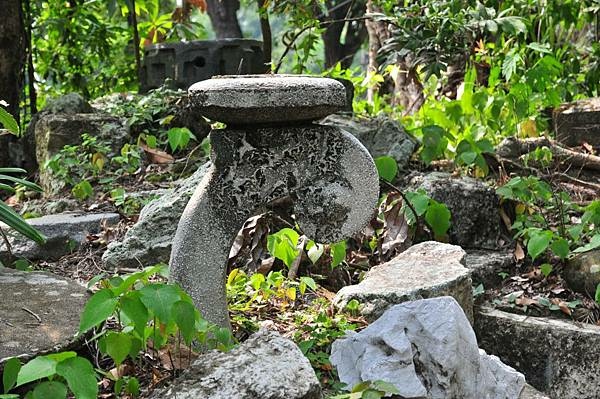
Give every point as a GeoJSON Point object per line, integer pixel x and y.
{"type": "Point", "coordinates": [267, 99]}
{"type": "Point", "coordinates": [65, 232]}
{"type": "Point", "coordinates": [27, 296]}
{"type": "Point", "coordinates": [578, 122]}
{"type": "Point", "coordinates": [558, 357]}
{"type": "Point", "coordinates": [426, 270]}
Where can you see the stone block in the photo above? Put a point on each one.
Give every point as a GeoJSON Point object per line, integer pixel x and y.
{"type": "Point", "coordinates": [426, 270]}
{"type": "Point", "coordinates": [381, 135]}
{"type": "Point", "coordinates": [578, 122]}
{"type": "Point", "coordinates": [558, 357]}
{"type": "Point", "coordinates": [54, 131]}
{"type": "Point", "coordinates": [65, 232]}
{"type": "Point", "coordinates": [475, 222]}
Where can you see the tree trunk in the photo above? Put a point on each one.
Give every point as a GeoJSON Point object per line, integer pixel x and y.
{"type": "Point", "coordinates": [12, 60]}
{"type": "Point", "coordinates": [340, 47]}
{"type": "Point", "coordinates": [223, 17]}
{"type": "Point", "coordinates": [406, 88]}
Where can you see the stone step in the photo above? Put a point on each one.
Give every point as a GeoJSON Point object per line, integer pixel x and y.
{"type": "Point", "coordinates": [65, 232]}
{"type": "Point", "coordinates": [558, 357]}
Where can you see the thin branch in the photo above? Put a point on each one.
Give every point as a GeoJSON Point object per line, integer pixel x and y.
{"type": "Point", "coordinates": [289, 45]}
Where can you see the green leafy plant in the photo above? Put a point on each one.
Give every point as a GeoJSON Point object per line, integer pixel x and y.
{"type": "Point", "coordinates": [544, 219]}
{"type": "Point", "coordinates": [59, 373]}
{"type": "Point", "coordinates": [370, 390]}
{"type": "Point", "coordinates": [147, 315]}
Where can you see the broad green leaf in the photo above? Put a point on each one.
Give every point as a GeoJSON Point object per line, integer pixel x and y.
{"type": "Point", "coordinates": [338, 253]}
{"type": "Point", "coordinates": [159, 299]}
{"type": "Point", "coordinates": [385, 387]}
{"type": "Point", "coordinates": [9, 122]}
{"type": "Point", "coordinates": [538, 243]}
{"type": "Point", "coordinates": [593, 244]}
{"type": "Point", "coordinates": [560, 247]}
{"type": "Point", "coordinates": [283, 245]}
{"type": "Point", "coordinates": [36, 369]}
{"type": "Point", "coordinates": [11, 371]}
{"type": "Point", "coordinates": [117, 346]}
{"type": "Point", "coordinates": [438, 217]}
{"type": "Point", "coordinates": [310, 283]}
{"type": "Point", "coordinates": [50, 390]}
{"type": "Point", "coordinates": [179, 137]}
{"type": "Point", "coordinates": [82, 190]}
{"type": "Point", "coordinates": [184, 314]}
{"type": "Point", "coordinates": [135, 310]}
{"type": "Point", "coordinates": [99, 308]}
{"type": "Point", "coordinates": [80, 376]}
{"type": "Point", "coordinates": [597, 296]}
{"type": "Point", "coordinates": [387, 168]}
{"type": "Point", "coordinates": [546, 269]}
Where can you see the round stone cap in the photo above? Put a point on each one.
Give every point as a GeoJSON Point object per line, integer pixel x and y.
{"type": "Point", "coordinates": [267, 99]}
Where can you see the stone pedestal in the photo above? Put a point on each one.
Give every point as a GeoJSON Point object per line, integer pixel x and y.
{"type": "Point", "coordinates": [271, 152]}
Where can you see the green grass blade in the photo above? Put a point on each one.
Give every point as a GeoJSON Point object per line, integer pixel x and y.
{"type": "Point", "coordinates": [26, 183]}
{"type": "Point", "coordinates": [15, 221]}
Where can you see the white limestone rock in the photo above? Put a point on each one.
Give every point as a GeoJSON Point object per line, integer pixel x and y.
{"type": "Point", "coordinates": [427, 349]}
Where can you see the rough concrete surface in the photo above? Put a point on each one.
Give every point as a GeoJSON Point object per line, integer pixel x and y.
{"type": "Point", "coordinates": [327, 174]}
{"type": "Point", "coordinates": [266, 366]}
{"type": "Point", "coordinates": [250, 99]}
{"type": "Point", "coordinates": [25, 296]}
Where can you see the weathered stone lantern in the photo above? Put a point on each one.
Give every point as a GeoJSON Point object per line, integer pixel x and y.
{"type": "Point", "coordinates": [270, 151]}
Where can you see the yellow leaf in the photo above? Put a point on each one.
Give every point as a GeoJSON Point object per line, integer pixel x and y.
{"type": "Point", "coordinates": [528, 128]}
{"type": "Point", "coordinates": [98, 160]}
{"type": "Point", "coordinates": [291, 293]}
{"type": "Point", "coordinates": [232, 275]}
{"type": "Point", "coordinates": [520, 209]}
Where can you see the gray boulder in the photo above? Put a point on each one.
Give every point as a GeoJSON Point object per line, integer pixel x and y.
{"type": "Point", "coordinates": [558, 357]}
{"type": "Point", "coordinates": [426, 270]}
{"type": "Point", "coordinates": [266, 366]}
{"type": "Point", "coordinates": [149, 240]}
{"type": "Point", "coordinates": [427, 349]}
{"type": "Point", "coordinates": [65, 232]}
{"type": "Point", "coordinates": [583, 272]}
{"type": "Point", "coordinates": [54, 131]}
{"type": "Point", "coordinates": [68, 104]}
{"type": "Point", "coordinates": [474, 207]}
{"type": "Point", "coordinates": [39, 313]}
{"type": "Point", "coordinates": [381, 135]}
{"type": "Point", "coordinates": [72, 103]}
